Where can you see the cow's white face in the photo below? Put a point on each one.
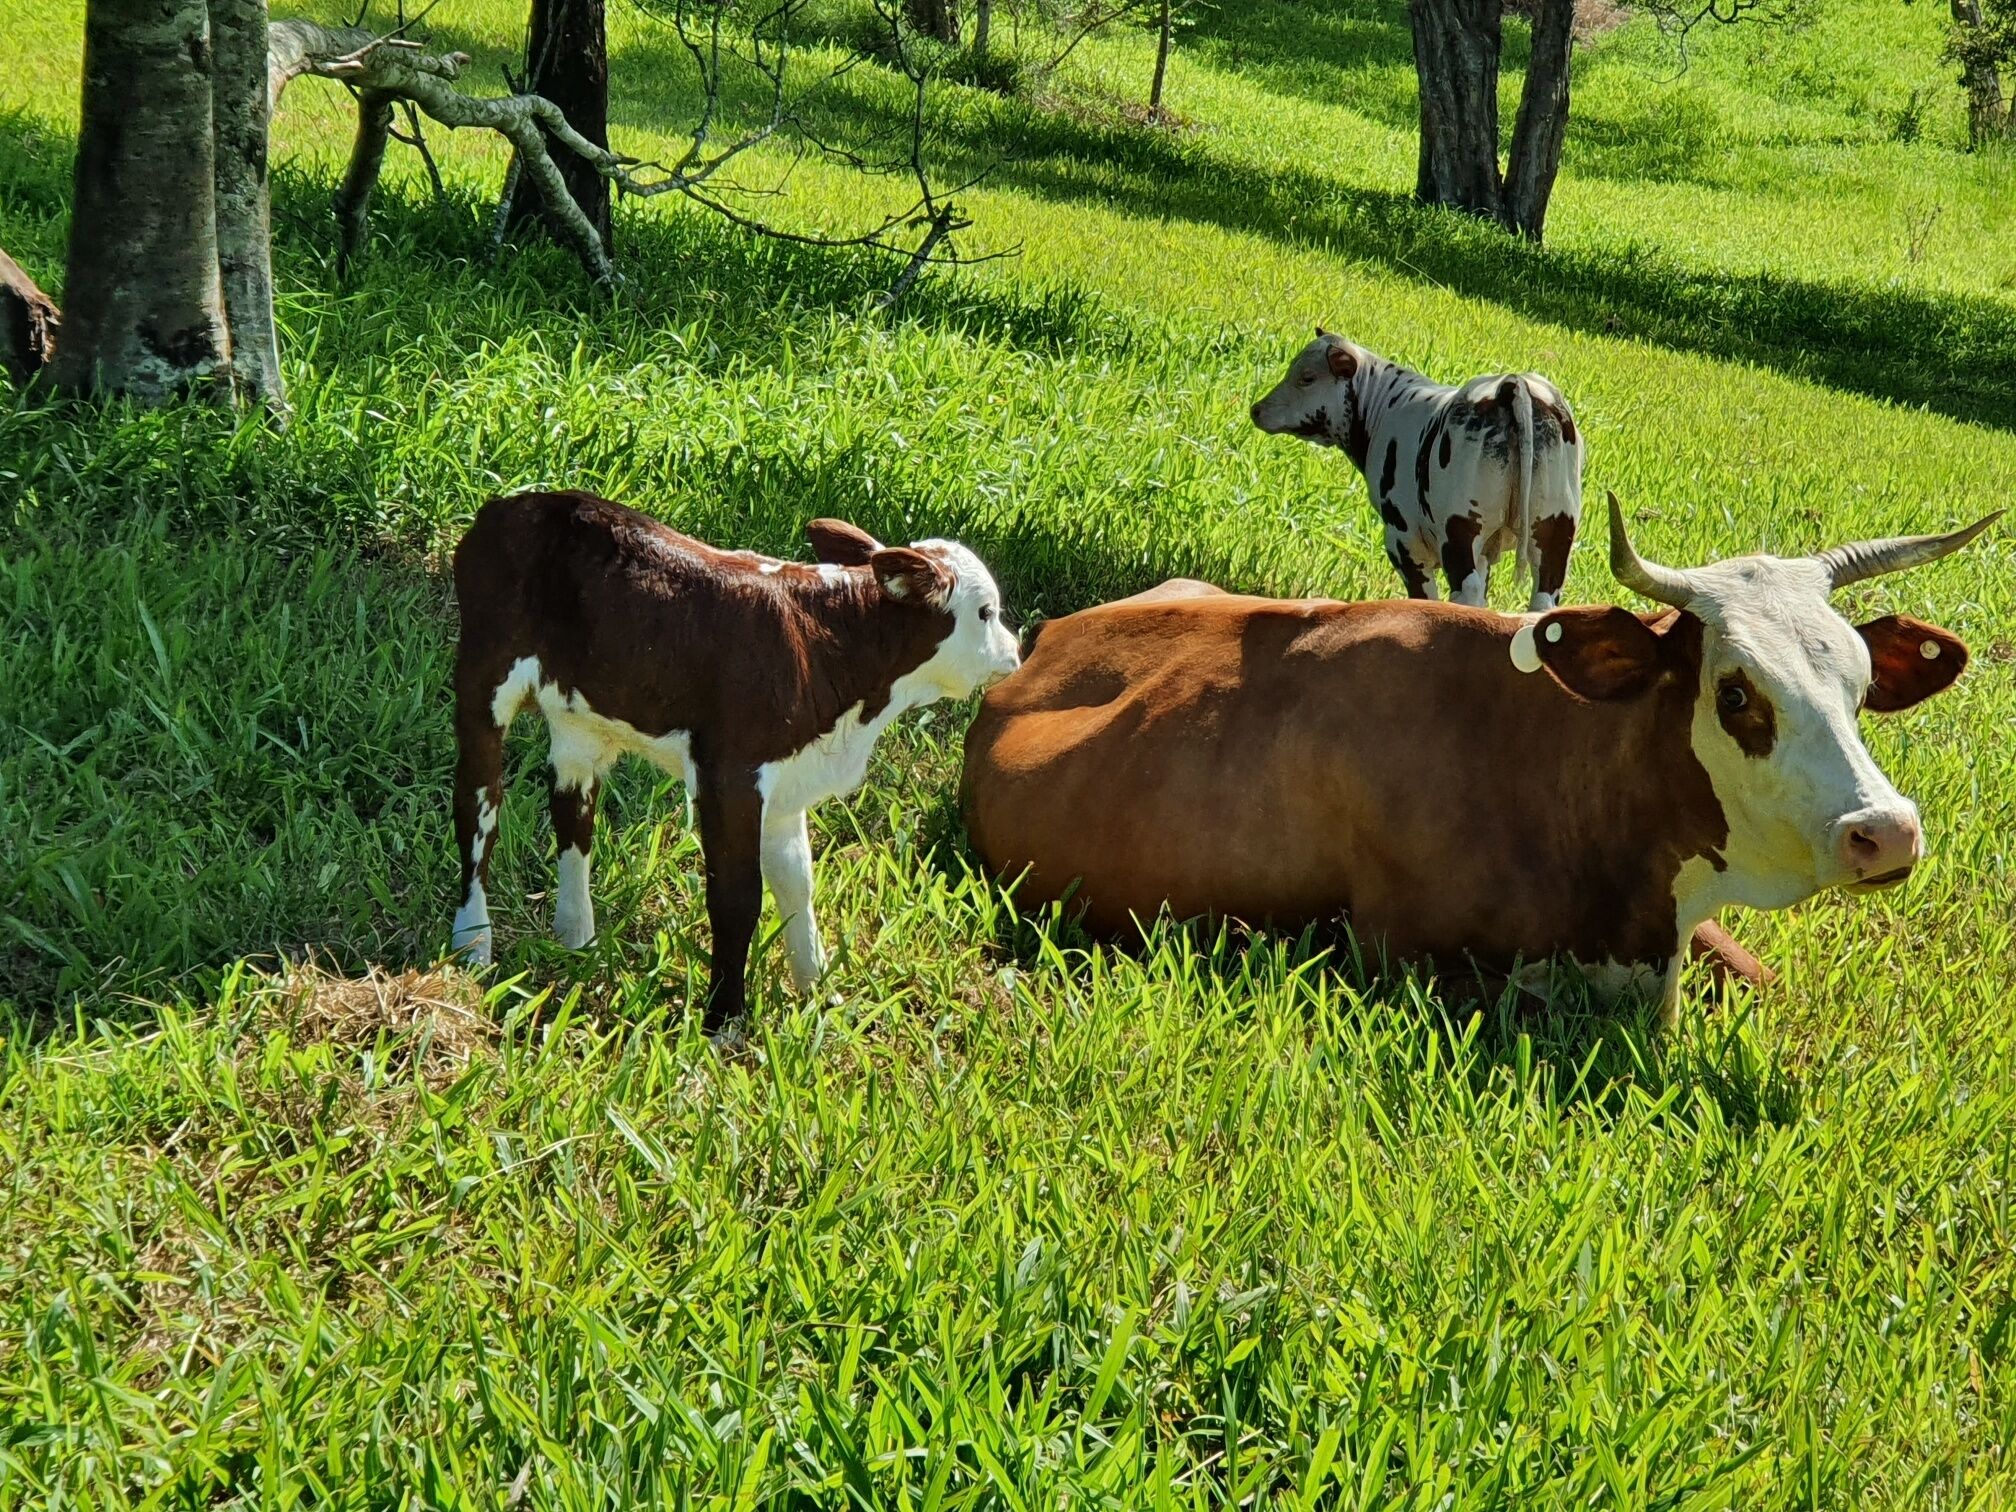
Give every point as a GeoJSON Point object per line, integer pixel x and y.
{"type": "Point", "coordinates": [1777, 680]}
{"type": "Point", "coordinates": [1315, 399]}
{"type": "Point", "coordinates": [1783, 679]}
{"type": "Point", "coordinates": [981, 650]}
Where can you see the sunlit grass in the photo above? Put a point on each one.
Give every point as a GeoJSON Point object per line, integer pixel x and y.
{"type": "Point", "coordinates": [1020, 1222]}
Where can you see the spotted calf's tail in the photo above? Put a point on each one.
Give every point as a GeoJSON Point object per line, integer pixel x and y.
{"type": "Point", "coordinates": [1519, 502]}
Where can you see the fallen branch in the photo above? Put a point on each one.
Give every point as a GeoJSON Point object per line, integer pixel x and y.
{"type": "Point", "coordinates": [390, 69]}
{"type": "Point", "coordinates": [28, 321]}
{"type": "Point", "coordinates": [385, 69]}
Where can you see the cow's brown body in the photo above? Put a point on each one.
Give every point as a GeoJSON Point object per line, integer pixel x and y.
{"type": "Point", "coordinates": [1289, 761]}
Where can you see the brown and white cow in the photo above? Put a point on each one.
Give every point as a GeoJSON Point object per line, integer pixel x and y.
{"type": "Point", "coordinates": [762, 683]}
{"type": "Point", "coordinates": [1459, 475]}
{"type": "Point", "coordinates": [1466, 787]}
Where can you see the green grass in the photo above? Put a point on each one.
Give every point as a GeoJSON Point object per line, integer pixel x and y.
{"type": "Point", "coordinates": [1021, 1223]}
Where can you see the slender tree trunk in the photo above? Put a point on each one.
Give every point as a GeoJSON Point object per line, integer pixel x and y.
{"type": "Point", "coordinates": [567, 61]}
{"type": "Point", "coordinates": [1542, 124]}
{"type": "Point", "coordinates": [983, 24]}
{"type": "Point", "coordinates": [1161, 61]}
{"type": "Point", "coordinates": [934, 18]}
{"type": "Point", "coordinates": [1456, 60]}
{"type": "Point", "coordinates": [1986, 118]}
{"type": "Point", "coordinates": [367, 157]}
{"type": "Point", "coordinates": [239, 112]}
{"type": "Point", "coordinates": [144, 304]}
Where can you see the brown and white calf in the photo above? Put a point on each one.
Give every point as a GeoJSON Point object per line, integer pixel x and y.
{"type": "Point", "coordinates": [762, 683]}
{"type": "Point", "coordinates": [1298, 761]}
{"type": "Point", "coordinates": [1460, 475]}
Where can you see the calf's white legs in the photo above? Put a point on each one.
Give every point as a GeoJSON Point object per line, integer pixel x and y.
{"type": "Point", "coordinates": [573, 909]}
{"type": "Point", "coordinates": [787, 867]}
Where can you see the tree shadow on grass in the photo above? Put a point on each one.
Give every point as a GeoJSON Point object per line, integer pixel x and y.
{"type": "Point", "coordinates": [1954, 354]}
{"type": "Point", "coordinates": [1355, 53]}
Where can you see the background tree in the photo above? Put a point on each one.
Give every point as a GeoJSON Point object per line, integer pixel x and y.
{"type": "Point", "coordinates": [1164, 28]}
{"type": "Point", "coordinates": [168, 240]}
{"type": "Point", "coordinates": [937, 19]}
{"type": "Point", "coordinates": [1456, 50]}
{"type": "Point", "coordinates": [567, 62]}
{"type": "Point", "coordinates": [1983, 42]}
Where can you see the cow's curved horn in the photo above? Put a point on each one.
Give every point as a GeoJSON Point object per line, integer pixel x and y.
{"type": "Point", "coordinates": [1867, 559]}
{"type": "Point", "coordinates": [1663, 585]}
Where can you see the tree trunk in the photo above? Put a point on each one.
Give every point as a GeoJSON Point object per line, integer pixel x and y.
{"type": "Point", "coordinates": [1456, 60]}
{"type": "Point", "coordinates": [367, 157]}
{"type": "Point", "coordinates": [1161, 62]}
{"type": "Point", "coordinates": [144, 302]}
{"type": "Point", "coordinates": [28, 323]}
{"type": "Point", "coordinates": [567, 61]}
{"type": "Point", "coordinates": [239, 113]}
{"type": "Point", "coordinates": [1987, 121]}
{"type": "Point", "coordinates": [1543, 120]}
{"type": "Point", "coordinates": [983, 23]}
{"type": "Point", "coordinates": [934, 18]}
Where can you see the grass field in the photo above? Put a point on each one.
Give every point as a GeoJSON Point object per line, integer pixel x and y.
{"type": "Point", "coordinates": [1020, 1223]}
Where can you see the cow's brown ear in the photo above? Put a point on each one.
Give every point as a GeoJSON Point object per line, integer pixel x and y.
{"type": "Point", "coordinates": [1342, 363]}
{"type": "Point", "coordinates": [1911, 661]}
{"type": "Point", "coordinates": [1598, 653]}
{"type": "Point", "coordinates": [841, 544]}
{"type": "Point", "coordinates": [912, 577]}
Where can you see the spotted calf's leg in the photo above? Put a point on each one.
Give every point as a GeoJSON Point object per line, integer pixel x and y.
{"type": "Point", "coordinates": [731, 841]}
{"type": "Point", "coordinates": [479, 795]}
{"type": "Point", "coordinates": [1404, 552]}
{"type": "Point", "coordinates": [787, 867]}
{"type": "Point", "coordinates": [1462, 564]}
{"type": "Point", "coordinates": [574, 834]}
{"type": "Point", "coordinates": [580, 761]}
{"type": "Point", "coordinates": [1553, 540]}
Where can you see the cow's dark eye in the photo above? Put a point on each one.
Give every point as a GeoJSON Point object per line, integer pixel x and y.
{"type": "Point", "coordinates": [1305, 380]}
{"type": "Point", "coordinates": [1734, 697]}
{"type": "Point", "coordinates": [986, 612]}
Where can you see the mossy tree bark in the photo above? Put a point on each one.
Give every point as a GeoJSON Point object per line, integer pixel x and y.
{"type": "Point", "coordinates": [169, 289]}
{"type": "Point", "coordinates": [240, 115]}
{"type": "Point", "coordinates": [1456, 45]}
{"type": "Point", "coordinates": [1542, 124]}
{"type": "Point", "coordinates": [143, 295]}
{"type": "Point", "coordinates": [1456, 51]}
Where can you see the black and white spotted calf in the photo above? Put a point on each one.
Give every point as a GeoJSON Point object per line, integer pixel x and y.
{"type": "Point", "coordinates": [762, 683]}
{"type": "Point", "coordinates": [1459, 475]}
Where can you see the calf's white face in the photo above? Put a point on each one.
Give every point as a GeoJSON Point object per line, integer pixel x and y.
{"type": "Point", "coordinates": [1314, 398]}
{"type": "Point", "coordinates": [981, 650]}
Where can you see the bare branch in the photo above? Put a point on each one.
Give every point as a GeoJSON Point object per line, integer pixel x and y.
{"type": "Point", "coordinates": [384, 70]}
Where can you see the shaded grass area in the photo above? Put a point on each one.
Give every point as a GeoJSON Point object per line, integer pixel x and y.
{"type": "Point", "coordinates": [1215, 1220]}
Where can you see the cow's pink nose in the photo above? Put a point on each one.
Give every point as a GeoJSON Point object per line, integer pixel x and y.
{"type": "Point", "coordinates": [1880, 845]}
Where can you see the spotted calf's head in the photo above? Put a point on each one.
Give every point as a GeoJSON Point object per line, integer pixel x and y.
{"type": "Point", "coordinates": [1778, 678]}
{"type": "Point", "coordinates": [1317, 399]}
{"type": "Point", "coordinates": [940, 579]}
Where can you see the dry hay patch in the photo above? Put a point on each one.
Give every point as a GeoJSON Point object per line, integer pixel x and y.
{"type": "Point", "coordinates": [433, 1022]}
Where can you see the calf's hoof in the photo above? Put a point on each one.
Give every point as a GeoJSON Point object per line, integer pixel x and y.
{"type": "Point", "coordinates": [473, 950]}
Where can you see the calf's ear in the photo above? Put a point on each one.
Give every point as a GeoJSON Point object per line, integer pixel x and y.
{"type": "Point", "coordinates": [911, 577]}
{"type": "Point", "coordinates": [1596, 653]}
{"type": "Point", "coordinates": [1342, 363]}
{"type": "Point", "coordinates": [1910, 660]}
{"type": "Point", "coordinates": [841, 544]}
